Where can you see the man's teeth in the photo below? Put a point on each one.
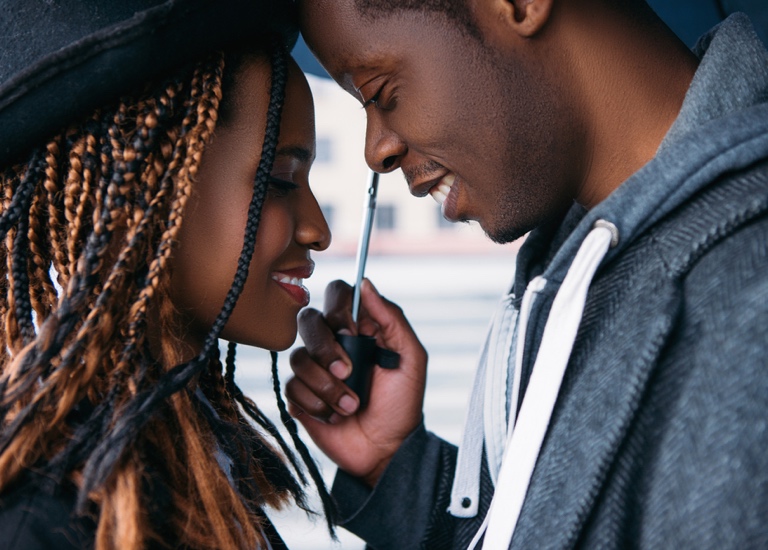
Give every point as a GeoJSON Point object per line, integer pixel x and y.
{"type": "Point", "coordinates": [438, 195]}
{"type": "Point", "coordinates": [288, 280]}
{"type": "Point", "coordinates": [440, 191]}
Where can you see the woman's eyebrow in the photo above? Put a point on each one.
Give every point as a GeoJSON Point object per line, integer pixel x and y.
{"type": "Point", "coordinates": [301, 154]}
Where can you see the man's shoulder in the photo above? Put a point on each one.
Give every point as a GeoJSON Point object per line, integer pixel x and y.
{"type": "Point", "coordinates": [715, 253]}
{"type": "Point", "coordinates": [714, 220]}
{"type": "Point", "coordinates": [704, 263]}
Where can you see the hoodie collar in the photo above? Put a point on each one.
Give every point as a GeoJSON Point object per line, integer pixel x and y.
{"type": "Point", "coordinates": [722, 126]}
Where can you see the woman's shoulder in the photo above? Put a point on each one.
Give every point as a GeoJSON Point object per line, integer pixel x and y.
{"type": "Point", "coordinates": [37, 514]}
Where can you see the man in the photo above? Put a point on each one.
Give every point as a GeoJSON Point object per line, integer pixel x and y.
{"type": "Point", "coordinates": [621, 400]}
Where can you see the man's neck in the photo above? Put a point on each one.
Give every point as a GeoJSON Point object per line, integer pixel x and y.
{"type": "Point", "coordinates": [632, 76]}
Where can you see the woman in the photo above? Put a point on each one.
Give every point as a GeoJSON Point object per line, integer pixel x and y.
{"type": "Point", "coordinates": [125, 261]}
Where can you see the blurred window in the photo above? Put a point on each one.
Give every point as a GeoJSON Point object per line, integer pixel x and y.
{"type": "Point", "coordinates": [385, 217]}
{"type": "Point", "coordinates": [328, 212]}
{"type": "Point", "coordinates": [324, 150]}
{"type": "Point", "coordinates": [442, 223]}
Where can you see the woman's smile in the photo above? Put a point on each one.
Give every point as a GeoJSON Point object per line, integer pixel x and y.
{"type": "Point", "coordinates": [291, 281]}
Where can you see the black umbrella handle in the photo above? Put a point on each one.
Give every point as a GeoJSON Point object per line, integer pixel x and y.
{"type": "Point", "coordinates": [365, 355]}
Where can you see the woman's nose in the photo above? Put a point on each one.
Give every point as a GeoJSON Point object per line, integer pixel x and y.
{"type": "Point", "coordinates": [312, 230]}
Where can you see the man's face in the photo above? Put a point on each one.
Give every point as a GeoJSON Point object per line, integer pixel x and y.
{"type": "Point", "coordinates": [477, 122]}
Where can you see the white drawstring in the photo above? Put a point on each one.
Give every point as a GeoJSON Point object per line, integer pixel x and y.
{"type": "Point", "coordinates": [535, 286]}
{"type": "Point", "coordinates": [496, 373]}
{"type": "Point", "coordinates": [465, 492]}
{"type": "Point", "coordinates": [560, 331]}
{"type": "Point", "coordinates": [486, 421]}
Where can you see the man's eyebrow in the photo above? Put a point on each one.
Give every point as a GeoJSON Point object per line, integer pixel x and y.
{"type": "Point", "coordinates": [299, 153]}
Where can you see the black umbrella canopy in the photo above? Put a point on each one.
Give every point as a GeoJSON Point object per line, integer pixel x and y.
{"type": "Point", "coordinates": [691, 18]}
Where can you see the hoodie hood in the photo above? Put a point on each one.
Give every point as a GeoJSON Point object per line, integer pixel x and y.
{"type": "Point", "coordinates": [722, 126]}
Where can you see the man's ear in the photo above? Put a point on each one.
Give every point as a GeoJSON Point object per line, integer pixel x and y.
{"type": "Point", "coordinates": [526, 17]}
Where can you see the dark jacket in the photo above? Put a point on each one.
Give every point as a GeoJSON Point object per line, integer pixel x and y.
{"type": "Point", "coordinates": [38, 514]}
{"type": "Point", "coordinates": [659, 433]}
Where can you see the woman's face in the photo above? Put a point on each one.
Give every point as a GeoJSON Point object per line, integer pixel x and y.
{"type": "Point", "coordinates": [292, 225]}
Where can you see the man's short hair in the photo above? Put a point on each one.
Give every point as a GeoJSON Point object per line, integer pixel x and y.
{"type": "Point", "coordinates": [455, 10]}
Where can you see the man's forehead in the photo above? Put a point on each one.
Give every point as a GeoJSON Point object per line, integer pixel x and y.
{"type": "Point", "coordinates": [347, 44]}
{"type": "Point", "coordinates": [321, 14]}
{"type": "Point", "coordinates": [340, 21]}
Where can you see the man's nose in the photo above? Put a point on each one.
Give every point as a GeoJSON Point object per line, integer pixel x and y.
{"type": "Point", "coordinates": [384, 149]}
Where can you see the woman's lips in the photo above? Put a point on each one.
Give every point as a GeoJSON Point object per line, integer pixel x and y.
{"type": "Point", "coordinates": [445, 194]}
{"type": "Point", "coordinates": [291, 280]}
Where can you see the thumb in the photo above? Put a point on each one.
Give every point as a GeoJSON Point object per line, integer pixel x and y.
{"type": "Point", "coordinates": [394, 329]}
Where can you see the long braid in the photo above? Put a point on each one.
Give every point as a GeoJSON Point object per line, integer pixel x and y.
{"type": "Point", "coordinates": [19, 206]}
{"type": "Point", "coordinates": [247, 443]}
{"type": "Point", "coordinates": [9, 181]}
{"type": "Point", "coordinates": [329, 505]}
{"type": "Point", "coordinates": [19, 213]}
{"type": "Point", "coordinates": [77, 186]}
{"type": "Point", "coordinates": [42, 291]}
{"type": "Point", "coordinates": [83, 171]}
{"type": "Point", "coordinates": [20, 274]}
{"type": "Point", "coordinates": [281, 477]}
{"type": "Point", "coordinates": [56, 233]}
{"type": "Point", "coordinates": [255, 413]}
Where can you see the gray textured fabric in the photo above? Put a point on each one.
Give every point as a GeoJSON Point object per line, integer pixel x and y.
{"type": "Point", "coordinates": [659, 434]}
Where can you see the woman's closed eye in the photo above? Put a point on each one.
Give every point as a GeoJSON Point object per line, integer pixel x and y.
{"type": "Point", "coordinates": [280, 187]}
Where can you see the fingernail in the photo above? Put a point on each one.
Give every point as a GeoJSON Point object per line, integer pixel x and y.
{"type": "Point", "coordinates": [334, 418]}
{"type": "Point", "coordinates": [347, 404]}
{"type": "Point", "coordinates": [339, 369]}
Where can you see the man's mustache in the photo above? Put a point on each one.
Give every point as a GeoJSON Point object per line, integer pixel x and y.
{"type": "Point", "coordinates": [414, 173]}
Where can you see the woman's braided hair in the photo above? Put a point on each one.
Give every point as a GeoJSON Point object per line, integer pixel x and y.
{"type": "Point", "coordinates": [83, 398]}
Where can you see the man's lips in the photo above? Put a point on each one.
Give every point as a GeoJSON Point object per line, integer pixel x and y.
{"type": "Point", "coordinates": [422, 177]}
{"type": "Point", "coordinates": [423, 188]}
{"type": "Point", "coordinates": [441, 188]}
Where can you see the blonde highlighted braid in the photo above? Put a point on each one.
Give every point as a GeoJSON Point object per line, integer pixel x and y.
{"type": "Point", "coordinates": [83, 398]}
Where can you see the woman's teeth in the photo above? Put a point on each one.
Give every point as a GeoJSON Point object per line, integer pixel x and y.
{"type": "Point", "coordinates": [440, 191]}
{"type": "Point", "coordinates": [288, 280]}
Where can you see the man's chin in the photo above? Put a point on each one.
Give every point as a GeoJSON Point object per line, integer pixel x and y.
{"type": "Point", "coordinates": [504, 235]}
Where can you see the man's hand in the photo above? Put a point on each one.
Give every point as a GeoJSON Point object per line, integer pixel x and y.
{"type": "Point", "coordinates": [360, 443]}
